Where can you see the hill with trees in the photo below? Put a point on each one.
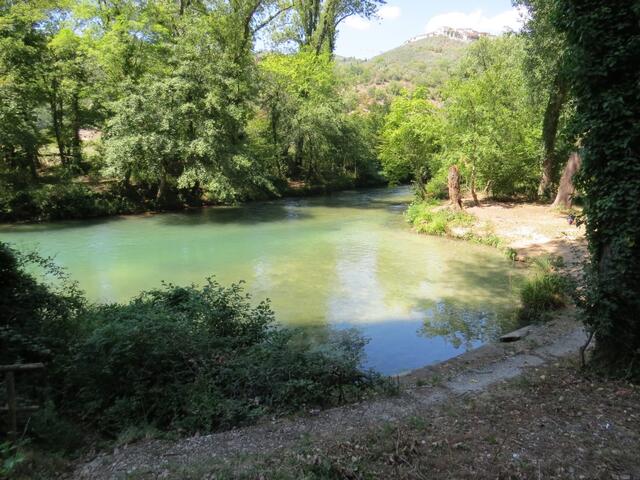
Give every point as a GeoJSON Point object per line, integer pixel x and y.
{"type": "Point", "coordinates": [427, 62]}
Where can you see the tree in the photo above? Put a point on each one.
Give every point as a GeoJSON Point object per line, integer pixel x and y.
{"type": "Point", "coordinates": [22, 47]}
{"type": "Point", "coordinates": [303, 108]}
{"type": "Point", "coordinates": [67, 77]}
{"type": "Point", "coordinates": [182, 128]}
{"type": "Point", "coordinates": [603, 41]}
{"type": "Point", "coordinates": [314, 23]}
{"type": "Point", "coordinates": [411, 140]}
{"type": "Point", "coordinates": [492, 129]}
{"type": "Point", "coordinates": [545, 48]}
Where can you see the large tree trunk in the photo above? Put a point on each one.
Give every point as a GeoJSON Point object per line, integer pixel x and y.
{"type": "Point", "coordinates": [550, 135]}
{"type": "Point", "coordinates": [454, 188]}
{"type": "Point", "coordinates": [566, 190]}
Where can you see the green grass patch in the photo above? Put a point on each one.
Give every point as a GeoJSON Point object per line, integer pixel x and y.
{"type": "Point", "coordinates": [545, 291]}
{"type": "Point", "coordinates": [432, 219]}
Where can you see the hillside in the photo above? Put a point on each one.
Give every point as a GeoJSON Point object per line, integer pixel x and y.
{"type": "Point", "coordinates": [426, 62]}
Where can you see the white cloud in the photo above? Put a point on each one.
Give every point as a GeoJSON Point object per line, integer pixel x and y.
{"type": "Point", "coordinates": [512, 19]}
{"type": "Point", "coordinates": [389, 12]}
{"type": "Point", "coordinates": [357, 23]}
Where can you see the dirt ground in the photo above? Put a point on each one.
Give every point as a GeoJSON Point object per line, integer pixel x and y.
{"type": "Point", "coordinates": [552, 423]}
{"type": "Point", "coordinates": [532, 230]}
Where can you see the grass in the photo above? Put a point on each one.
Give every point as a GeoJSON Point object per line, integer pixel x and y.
{"type": "Point", "coordinates": [432, 219]}
{"type": "Point", "coordinates": [545, 291]}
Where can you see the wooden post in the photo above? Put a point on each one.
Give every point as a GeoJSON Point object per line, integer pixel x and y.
{"type": "Point", "coordinates": [12, 400]}
{"type": "Point", "coordinates": [11, 404]}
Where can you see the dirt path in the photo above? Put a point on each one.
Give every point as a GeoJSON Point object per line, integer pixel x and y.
{"type": "Point", "coordinates": [421, 390]}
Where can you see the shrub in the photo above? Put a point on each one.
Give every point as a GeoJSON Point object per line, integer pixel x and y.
{"type": "Point", "coordinates": [201, 359]}
{"type": "Point", "coordinates": [544, 291]}
{"type": "Point", "coordinates": [63, 201]}
{"type": "Point", "coordinates": [37, 320]}
{"type": "Point", "coordinates": [176, 358]}
{"type": "Point", "coordinates": [10, 459]}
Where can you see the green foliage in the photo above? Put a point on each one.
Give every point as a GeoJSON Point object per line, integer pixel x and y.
{"type": "Point", "coordinates": [178, 107]}
{"type": "Point", "coordinates": [309, 134]}
{"type": "Point", "coordinates": [433, 219]}
{"type": "Point", "coordinates": [62, 201]}
{"type": "Point", "coordinates": [177, 358]}
{"type": "Point", "coordinates": [22, 48]}
{"type": "Point", "coordinates": [10, 459]}
{"type": "Point", "coordinates": [544, 291]}
{"type": "Point", "coordinates": [37, 320]}
{"type": "Point", "coordinates": [411, 140]}
{"type": "Point", "coordinates": [492, 130]}
{"type": "Point", "coordinates": [603, 41]}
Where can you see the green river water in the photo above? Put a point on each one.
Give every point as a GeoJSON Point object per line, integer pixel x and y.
{"type": "Point", "coordinates": [346, 260]}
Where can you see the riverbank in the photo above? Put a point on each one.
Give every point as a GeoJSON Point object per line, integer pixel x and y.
{"type": "Point", "coordinates": [84, 200]}
{"type": "Point", "coordinates": [520, 410]}
{"type": "Point", "coordinates": [525, 231]}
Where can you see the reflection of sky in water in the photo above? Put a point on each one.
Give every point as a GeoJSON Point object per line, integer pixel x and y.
{"type": "Point", "coordinates": [346, 260]}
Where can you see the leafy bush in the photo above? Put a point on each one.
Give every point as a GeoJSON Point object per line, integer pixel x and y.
{"type": "Point", "coordinates": [201, 359]}
{"type": "Point", "coordinates": [10, 459]}
{"type": "Point", "coordinates": [37, 320]}
{"type": "Point", "coordinates": [63, 201]}
{"type": "Point", "coordinates": [431, 219]}
{"type": "Point", "coordinates": [544, 291]}
{"type": "Point", "coordinates": [186, 358]}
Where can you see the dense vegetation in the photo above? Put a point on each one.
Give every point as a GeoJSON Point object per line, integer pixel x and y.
{"type": "Point", "coordinates": [121, 106]}
{"type": "Point", "coordinates": [603, 43]}
{"type": "Point", "coordinates": [178, 358]}
{"type": "Point", "coordinates": [127, 106]}
{"type": "Point", "coordinates": [111, 107]}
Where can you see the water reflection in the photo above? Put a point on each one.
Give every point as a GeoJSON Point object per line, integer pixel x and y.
{"type": "Point", "coordinates": [346, 260]}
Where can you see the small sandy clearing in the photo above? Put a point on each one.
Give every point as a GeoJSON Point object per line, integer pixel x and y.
{"type": "Point", "coordinates": [532, 230]}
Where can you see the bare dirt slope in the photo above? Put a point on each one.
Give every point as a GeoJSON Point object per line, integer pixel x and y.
{"type": "Point", "coordinates": [532, 230]}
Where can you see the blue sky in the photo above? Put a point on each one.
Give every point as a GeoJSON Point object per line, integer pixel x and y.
{"type": "Point", "coordinates": [402, 19]}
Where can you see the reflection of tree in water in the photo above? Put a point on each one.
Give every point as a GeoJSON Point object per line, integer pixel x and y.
{"type": "Point", "coordinates": [462, 325]}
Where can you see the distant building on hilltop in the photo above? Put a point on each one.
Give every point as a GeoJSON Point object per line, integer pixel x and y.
{"type": "Point", "coordinates": [460, 34]}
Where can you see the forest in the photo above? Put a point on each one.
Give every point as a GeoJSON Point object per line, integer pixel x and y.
{"type": "Point", "coordinates": [111, 107]}
{"type": "Point", "coordinates": [121, 107]}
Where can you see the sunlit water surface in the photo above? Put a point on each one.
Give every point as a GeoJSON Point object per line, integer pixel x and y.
{"type": "Point", "coordinates": [347, 260]}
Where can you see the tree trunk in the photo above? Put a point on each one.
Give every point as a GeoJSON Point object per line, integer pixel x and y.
{"type": "Point", "coordinates": [76, 145]}
{"type": "Point", "coordinates": [454, 188]}
{"type": "Point", "coordinates": [57, 116]}
{"type": "Point", "coordinates": [33, 162]}
{"type": "Point", "coordinates": [161, 195]}
{"type": "Point", "coordinates": [298, 159]}
{"type": "Point", "coordinates": [550, 134]}
{"type": "Point", "coordinates": [566, 190]}
{"type": "Point", "coordinates": [472, 185]}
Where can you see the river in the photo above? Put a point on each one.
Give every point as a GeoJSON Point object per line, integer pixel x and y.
{"type": "Point", "coordinates": [347, 260]}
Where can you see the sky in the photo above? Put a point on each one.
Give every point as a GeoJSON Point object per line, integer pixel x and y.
{"type": "Point", "coordinates": [400, 20]}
